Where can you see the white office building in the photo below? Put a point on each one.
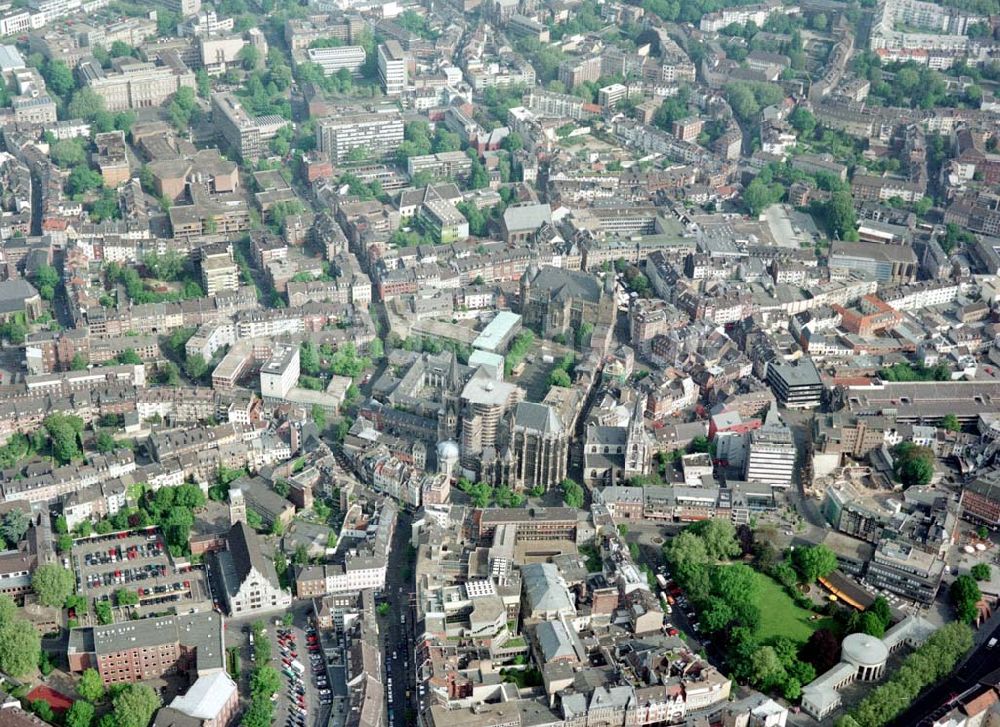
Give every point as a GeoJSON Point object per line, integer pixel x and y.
{"type": "Point", "coordinates": [331, 60]}
{"type": "Point", "coordinates": [280, 373]}
{"type": "Point", "coordinates": [771, 454]}
{"type": "Point", "coordinates": [392, 68]}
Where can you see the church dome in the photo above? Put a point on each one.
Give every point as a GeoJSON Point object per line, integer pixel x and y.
{"type": "Point", "coordinates": [447, 450]}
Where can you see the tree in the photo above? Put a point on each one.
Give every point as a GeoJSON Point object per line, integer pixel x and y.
{"type": "Point", "coordinates": [700, 444]}
{"type": "Point", "coordinates": [79, 362]}
{"type": "Point", "coordinates": [13, 526]}
{"type": "Point", "coordinates": [822, 650]}
{"type": "Point", "coordinates": [64, 543]}
{"type": "Point", "coordinates": [68, 153]}
{"type": "Point", "coordinates": [254, 519]}
{"type": "Point", "coordinates": [86, 105]}
{"type": "Point", "coordinates": [169, 374]}
{"type": "Point", "coordinates": [932, 661]}
{"type": "Point", "coordinates": [259, 714]}
{"type": "Point", "coordinates": [950, 422]}
{"type": "Point", "coordinates": [105, 442]}
{"type": "Point", "coordinates": [767, 668]}
{"type": "Point", "coordinates": [803, 121]}
{"type": "Point", "coordinates": [512, 142]}
{"type": "Point", "coordinates": [204, 82]}
{"type": "Point", "coordinates": [559, 377]}
{"type": "Point", "coordinates": [736, 583]}
{"type": "Point", "coordinates": [309, 358]}
{"type": "Point", "coordinates": [46, 279]}
{"type": "Point", "coordinates": [716, 615]}
{"type": "Point", "coordinates": [872, 625]}
{"type": "Point", "coordinates": [8, 610]}
{"type": "Point", "coordinates": [478, 221]}
{"type": "Point", "coordinates": [757, 197]}
{"type": "Point", "coordinates": [126, 597]}
{"type": "Point", "coordinates": [719, 537]}
{"type": "Point", "coordinates": [80, 714]}
{"type": "Point", "coordinates": [20, 646]}
{"type": "Point", "coordinates": [840, 215]}
{"type": "Point", "coordinates": [58, 77]}
{"type": "Point", "coordinates": [572, 494]}
{"type": "Point", "coordinates": [135, 705]}
{"type": "Point", "coordinates": [52, 584]}
{"type": "Point", "coordinates": [913, 464]}
{"type": "Point", "coordinates": [965, 595]}
{"type": "Point", "coordinates": [981, 571]}
{"type": "Point", "coordinates": [478, 178]}
{"type": "Point", "coordinates": [882, 610]}
{"type": "Point", "coordinates": [685, 552]}
{"type": "Point", "coordinates": [195, 366]}
{"type": "Point", "coordinates": [319, 416]}
{"type": "Point", "coordinates": [264, 681]}
{"type": "Point", "coordinates": [250, 57]}
{"type": "Point", "coordinates": [445, 140]}
{"type": "Point", "coordinates": [43, 709]}
{"type": "Point", "coordinates": [814, 562]}
{"type": "Point", "coordinates": [90, 686]}
{"type": "Point", "coordinates": [82, 180]}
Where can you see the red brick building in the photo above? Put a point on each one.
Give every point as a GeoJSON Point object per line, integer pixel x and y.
{"type": "Point", "coordinates": [981, 502]}
{"type": "Point", "coordinates": [134, 651]}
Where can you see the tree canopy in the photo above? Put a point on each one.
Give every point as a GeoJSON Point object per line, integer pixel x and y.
{"type": "Point", "coordinates": [814, 562]}
{"type": "Point", "coordinates": [913, 464]}
{"type": "Point", "coordinates": [135, 705]}
{"type": "Point", "coordinates": [572, 494]}
{"type": "Point", "coordinates": [20, 644]}
{"type": "Point", "coordinates": [52, 584]}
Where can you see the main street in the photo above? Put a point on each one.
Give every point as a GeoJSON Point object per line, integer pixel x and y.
{"type": "Point", "coordinates": [397, 626]}
{"type": "Point", "coordinates": [939, 699]}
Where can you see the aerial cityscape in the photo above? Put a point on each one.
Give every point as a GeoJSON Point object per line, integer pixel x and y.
{"type": "Point", "coordinates": [499, 363]}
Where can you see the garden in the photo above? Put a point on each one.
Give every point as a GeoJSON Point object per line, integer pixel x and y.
{"type": "Point", "coordinates": [782, 616]}
{"type": "Point", "coordinates": [750, 601]}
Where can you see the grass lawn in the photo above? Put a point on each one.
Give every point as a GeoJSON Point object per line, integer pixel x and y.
{"type": "Point", "coordinates": [779, 616]}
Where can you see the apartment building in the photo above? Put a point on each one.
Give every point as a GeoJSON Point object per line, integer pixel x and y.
{"type": "Point", "coordinates": [112, 158]}
{"type": "Point", "coordinates": [377, 135]}
{"type": "Point", "coordinates": [218, 269]}
{"type": "Point", "coordinates": [39, 109]}
{"type": "Point", "coordinates": [444, 165]}
{"type": "Point", "coordinates": [355, 574]}
{"type": "Point", "coordinates": [222, 214]}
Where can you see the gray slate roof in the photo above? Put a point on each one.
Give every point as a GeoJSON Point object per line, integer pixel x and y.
{"type": "Point", "coordinates": [537, 417]}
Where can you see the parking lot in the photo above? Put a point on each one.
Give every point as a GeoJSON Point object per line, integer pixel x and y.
{"type": "Point", "coordinates": [307, 697]}
{"type": "Point", "coordinates": [137, 562]}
